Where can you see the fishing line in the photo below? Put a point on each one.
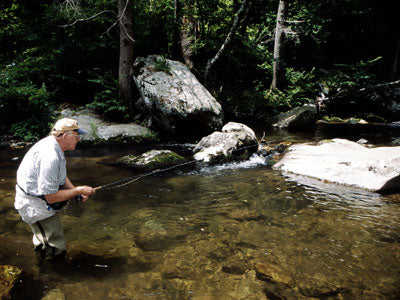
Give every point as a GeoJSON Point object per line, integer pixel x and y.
{"type": "Point", "coordinates": [129, 180]}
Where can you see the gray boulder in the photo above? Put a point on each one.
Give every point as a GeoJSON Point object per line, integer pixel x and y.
{"type": "Point", "coordinates": [223, 145]}
{"type": "Point", "coordinates": [345, 162]}
{"type": "Point", "coordinates": [174, 97]}
{"type": "Point", "coordinates": [298, 117]}
{"type": "Point", "coordinates": [100, 130]}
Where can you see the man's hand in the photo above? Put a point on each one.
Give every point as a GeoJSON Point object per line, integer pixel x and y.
{"type": "Point", "coordinates": [85, 191]}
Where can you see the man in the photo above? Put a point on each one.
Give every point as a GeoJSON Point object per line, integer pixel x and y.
{"type": "Point", "coordinates": [43, 187]}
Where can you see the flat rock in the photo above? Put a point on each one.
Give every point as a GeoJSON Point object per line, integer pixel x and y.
{"type": "Point", "coordinates": [100, 130]}
{"type": "Point", "coordinates": [345, 162]}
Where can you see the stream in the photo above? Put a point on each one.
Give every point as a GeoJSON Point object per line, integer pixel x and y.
{"type": "Point", "coordinates": [231, 231]}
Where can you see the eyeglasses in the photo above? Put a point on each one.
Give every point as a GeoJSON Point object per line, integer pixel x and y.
{"type": "Point", "coordinates": [74, 135]}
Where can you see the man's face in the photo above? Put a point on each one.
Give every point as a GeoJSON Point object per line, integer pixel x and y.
{"type": "Point", "coordinates": [71, 138]}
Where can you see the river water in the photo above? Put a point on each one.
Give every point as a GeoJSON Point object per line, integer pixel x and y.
{"type": "Point", "coordinates": [229, 231]}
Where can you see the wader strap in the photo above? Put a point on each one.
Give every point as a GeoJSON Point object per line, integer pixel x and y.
{"type": "Point", "coordinates": [41, 196]}
{"type": "Point", "coordinates": [46, 242]}
{"type": "Point", "coordinates": [56, 205]}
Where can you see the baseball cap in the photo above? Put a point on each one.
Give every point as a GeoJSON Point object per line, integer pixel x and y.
{"type": "Point", "coordinates": [66, 124]}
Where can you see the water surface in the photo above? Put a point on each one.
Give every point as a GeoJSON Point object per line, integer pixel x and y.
{"type": "Point", "coordinates": [231, 231]}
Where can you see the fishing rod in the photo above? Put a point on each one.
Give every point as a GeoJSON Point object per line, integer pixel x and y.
{"type": "Point", "coordinates": [129, 180]}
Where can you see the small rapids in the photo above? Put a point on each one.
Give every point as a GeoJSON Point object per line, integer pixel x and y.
{"type": "Point", "coordinates": [254, 161]}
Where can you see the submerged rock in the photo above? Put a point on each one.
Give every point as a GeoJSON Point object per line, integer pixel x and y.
{"type": "Point", "coordinates": [274, 273]}
{"type": "Point", "coordinates": [174, 97]}
{"type": "Point", "coordinates": [345, 162]}
{"type": "Point", "coordinates": [226, 144]}
{"type": "Point", "coordinates": [152, 159]}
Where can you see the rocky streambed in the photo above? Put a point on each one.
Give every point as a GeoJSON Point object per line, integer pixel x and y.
{"type": "Point", "coordinates": [236, 230]}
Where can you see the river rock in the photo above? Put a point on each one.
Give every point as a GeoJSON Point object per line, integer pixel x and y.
{"type": "Point", "coordinates": [174, 97]}
{"type": "Point", "coordinates": [298, 117]}
{"type": "Point", "coordinates": [101, 131]}
{"type": "Point", "coordinates": [395, 142]}
{"type": "Point", "coordinates": [152, 159]}
{"type": "Point", "coordinates": [55, 294]}
{"type": "Point", "coordinates": [345, 162]}
{"type": "Point", "coordinates": [4, 145]}
{"type": "Point", "coordinates": [223, 145]}
{"type": "Point", "coordinates": [271, 272]}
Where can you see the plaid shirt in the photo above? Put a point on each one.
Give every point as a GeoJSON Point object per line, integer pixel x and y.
{"type": "Point", "coordinates": [43, 168]}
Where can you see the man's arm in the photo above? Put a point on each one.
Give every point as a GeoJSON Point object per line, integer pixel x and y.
{"type": "Point", "coordinates": [69, 191]}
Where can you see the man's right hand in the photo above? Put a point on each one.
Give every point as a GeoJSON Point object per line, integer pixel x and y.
{"type": "Point", "coordinates": [85, 191]}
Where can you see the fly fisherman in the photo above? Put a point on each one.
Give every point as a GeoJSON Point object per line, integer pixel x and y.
{"type": "Point", "coordinates": [43, 188]}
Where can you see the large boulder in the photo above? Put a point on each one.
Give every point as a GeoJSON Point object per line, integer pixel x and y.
{"type": "Point", "coordinates": [101, 131]}
{"type": "Point", "coordinates": [298, 117]}
{"type": "Point", "coordinates": [345, 162]}
{"type": "Point", "coordinates": [234, 138]}
{"type": "Point", "coordinates": [174, 97]}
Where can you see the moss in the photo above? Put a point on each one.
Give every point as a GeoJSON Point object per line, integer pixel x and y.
{"type": "Point", "coordinates": [325, 141]}
{"type": "Point", "coordinates": [152, 159]}
{"type": "Point", "coordinates": [332, 119]}
{"type": "Point", "coordinates": [9, 277]}
{"type": "Point", "coordinates": [94, 128]}
{"type": "Point", "coordinates": [162, 65]}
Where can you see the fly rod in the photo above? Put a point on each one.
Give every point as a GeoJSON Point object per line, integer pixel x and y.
{"type": "Point", "coordinates": [129, 180]}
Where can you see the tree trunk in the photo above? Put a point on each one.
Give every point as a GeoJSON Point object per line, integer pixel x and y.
{"type": "Point", "coordinates": [177, 28]}
{"type": "Point", "coordinates": [125, 16]}
{"type": "Point", "coordinates": [189, 31]}
{"type": "Point", "coordinates": [393, 70]}
{"type": "Point", "coordinates": [278, 69]}
{"type": "Point", "coordinates": [227, 41]}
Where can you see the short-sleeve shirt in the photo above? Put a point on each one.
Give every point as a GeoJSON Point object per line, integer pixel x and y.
{"type": "Point", "coordinates": [43, 168]}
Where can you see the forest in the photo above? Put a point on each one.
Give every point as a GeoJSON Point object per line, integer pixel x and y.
{"type": "Point", "coordinates": [256, 57]}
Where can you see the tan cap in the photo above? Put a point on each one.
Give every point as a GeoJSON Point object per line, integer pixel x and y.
{"type": "Point", "coordinates": [66, 124]}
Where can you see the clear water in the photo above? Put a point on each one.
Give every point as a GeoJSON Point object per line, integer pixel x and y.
{"type": "Point", "coordinates": [232, 231]}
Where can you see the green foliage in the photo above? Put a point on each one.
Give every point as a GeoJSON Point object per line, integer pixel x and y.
{"type": "Point", "coordinates": [106, 100]}
{"type": "Point", "coordinates": [371, 117]}
{"type": "Point", "coordinates": [162, 65]}
{"type": "Point", "coordinates": [44, 61]}
{"type": "Point", "coordinates": [24, 107]}
{"type": "Point", "coordinates": [348, 76]}
{"type": "Point", "coordinates": [301, 89]}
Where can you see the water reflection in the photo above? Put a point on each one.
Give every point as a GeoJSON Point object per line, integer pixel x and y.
{"type": "Point", "coordinates": [233, 231]}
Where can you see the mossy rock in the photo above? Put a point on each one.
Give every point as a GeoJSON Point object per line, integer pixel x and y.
{"type": "Point", "coordinates": [152, 159]}
{"type": "Point", "coordinates": [9, 278]}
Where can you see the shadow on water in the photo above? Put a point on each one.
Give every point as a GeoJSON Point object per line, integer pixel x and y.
{"type": "Point", "coordinates": [237, 230]}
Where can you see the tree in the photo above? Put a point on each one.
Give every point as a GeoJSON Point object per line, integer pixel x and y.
{"type": "Point", "coordinates": [278, 69]}
{"type": "Point", "coordinates": [188, 33]}
{"type": "Point", "coordinates": [393, 69]}
{"type": "Point", "coordinates": [241, 14]}
{"type": "Point", "coordinates": [176, 31]}
{"type": "Point", "coordinates": [125, 19]}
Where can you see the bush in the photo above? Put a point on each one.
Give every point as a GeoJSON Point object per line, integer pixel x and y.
{"type": "Point", "coordinates": [25, 109]}
{"type": "Point", "coordinates": [106, 100]}
{"type": "Point", "coordinates": [301, 89]}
